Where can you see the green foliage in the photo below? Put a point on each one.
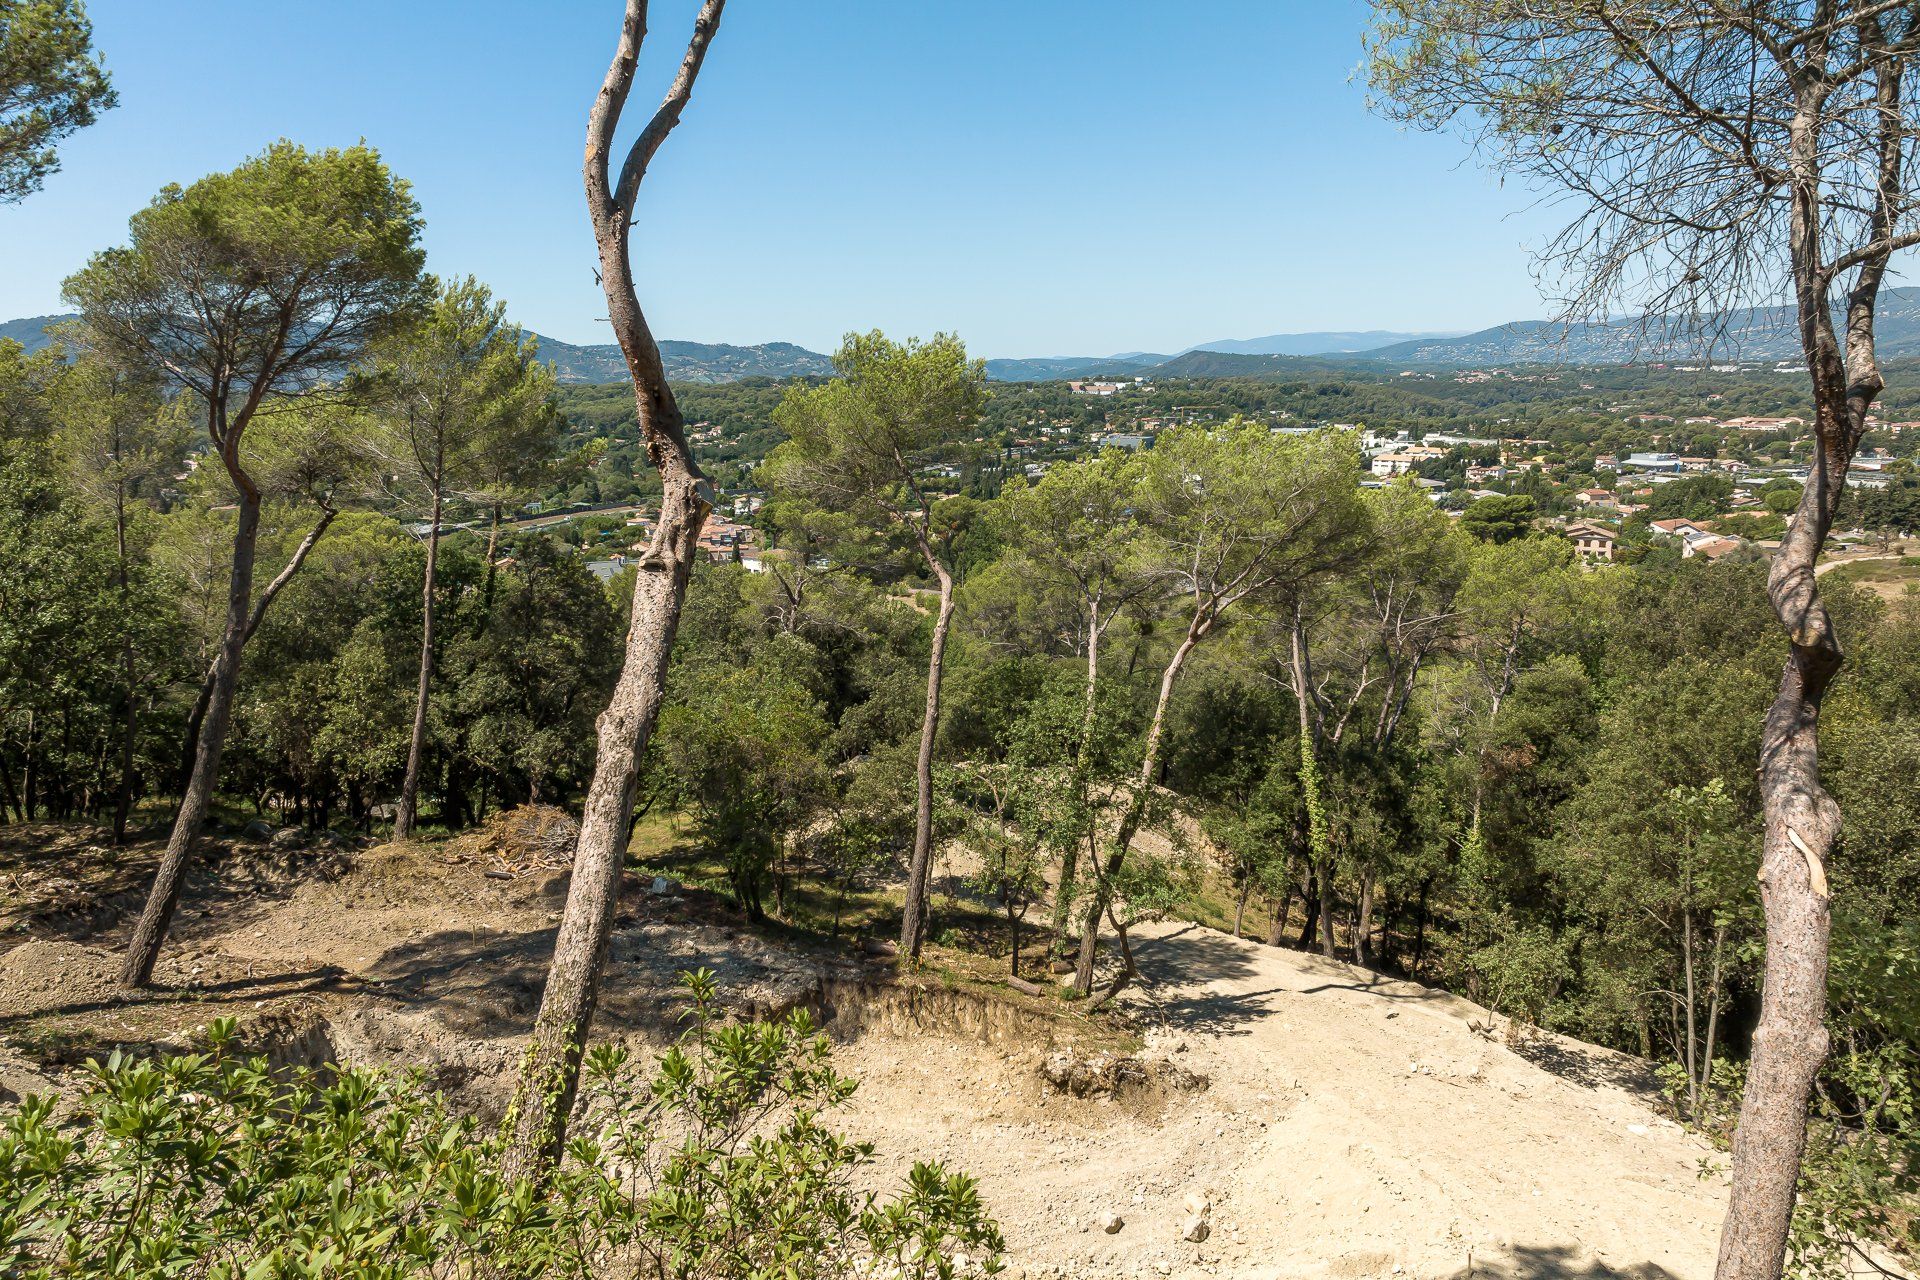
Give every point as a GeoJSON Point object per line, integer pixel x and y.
{"type": "Point", "coordinates": [717, 1167]}
{"type": "Point", "coordinates": [464, 411]}
{"type": "Point", "coordinates": [301, 257]}
{"type": "Point", "coordinates": [741, 748]}
{"type": "Point", "coordinates": [51, 83]}
{"type": "Point", "coordinates": [1499, 519]}
{"type": "Point", "coordinates": [868, 440]}
{"type": "Point", "coordinates": [1703, 497]}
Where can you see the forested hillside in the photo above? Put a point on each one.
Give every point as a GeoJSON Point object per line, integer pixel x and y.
{"type": "Point", "coordinates": [474, 807]}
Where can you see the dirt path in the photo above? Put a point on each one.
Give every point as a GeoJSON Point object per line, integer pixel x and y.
{"type": "Point", "coordinates": [1354, 1127]}
{"type": "Point", "coordinates": [1351, 1127]}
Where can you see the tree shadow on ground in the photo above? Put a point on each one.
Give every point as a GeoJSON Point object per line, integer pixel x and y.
{"type": "Point", "coordinates": [208, 997]}
{"type": "Point", "coordinates": [480, 983]}
{"type": "Point", "coordinates": [1554, 1262]}
{"type": "Point", "coordinates": [487, 984]}
{"type": "Point", "coordinates": [1588, 1066]}
{"type": "Point", "coordinates": [1191, 957]}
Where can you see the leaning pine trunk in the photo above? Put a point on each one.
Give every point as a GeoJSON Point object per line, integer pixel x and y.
{"type": "Point", "coordinates": [1790, 1040]}
{"type": "Point", "coordinates": [196, 719]}
{"type": "Point", "coordinates": [405, 812]}
{"type": "Point", "coordinates": [164, 897]}
{"type": "Point", "coordinates": [913, 918]}
{"type": "Point", "coordinates": [550, 1073]}
{"type": "Point", "coordinates": [1135, 812]}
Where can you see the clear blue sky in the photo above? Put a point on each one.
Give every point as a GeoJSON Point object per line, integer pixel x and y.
{"type": "Point", "coordinates": [1045, 177]}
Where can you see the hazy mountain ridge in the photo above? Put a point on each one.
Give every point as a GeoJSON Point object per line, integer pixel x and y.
{"type": "Point", "coordinates": [31, 331]}
{"type": "Point", "coordinates": [602, 362]}
{"type": "Point", "coordinates": [687, 361]}
{"type": "Point", "coordinates": [1053, 368]}
{"type": "Point", "coordinates": [1336, 342]}
{"type": "Point", "coordinates": [1755, 333]}
{"type": "Point", "coordinates": [1760, 333]}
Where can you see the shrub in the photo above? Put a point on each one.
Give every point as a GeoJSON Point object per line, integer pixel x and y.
{"type": "Point", "coordinates": [211, 1165]}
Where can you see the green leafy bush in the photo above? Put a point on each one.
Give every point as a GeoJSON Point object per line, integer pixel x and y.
{"type": "Point", "coordinates": [213, 1166]}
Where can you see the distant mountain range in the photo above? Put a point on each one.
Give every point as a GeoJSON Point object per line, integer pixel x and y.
{"type": "Point", "coordinates": [1052, 368]}
{"type": "Point", "coordinates": [1758, 334]}
{"type": "Point", "coordinates": [1315, 344]}
{"type": "Point", "coordinates": [30, 332]}
{"type": "Point", "coordinates": [687, 361]}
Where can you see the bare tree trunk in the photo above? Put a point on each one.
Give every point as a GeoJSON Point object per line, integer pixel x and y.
{"type": "Point", "coordinates": [1319, 854]}
{"type": "Point", "coordinates": [1277, 936]}
{"type": "Point", "coordinates": [1801, 819]}
{"type": "Point", "coordinates": [1131, 816]}
{"type": "Point", "coordinates": [1070, 857]}
{"type": "Point", "coordinates": [129, 733]}
{"type": "Point", "coordinates": [405, 812]}
{"type": "Point", "coordinates": [9, 796]}
{"type": "Point", "coordinates": [1310, 912]}
{"type": "Point", "coordinates": [1326, 912]}
{"type": "Point", "coordinates": [1240, 904]}
{"type": "Point", "coordinates": [1363, 925]}
{"type": "Point", "coordinates": [1692, 1003]}
{"type": "Point", "coordinates": [130, 725]}
{"type": "Point", "coordinates": [1713, 1008]}
{"type": "Point", "coordinates": [913, 918]}
{"type": "Point", "coordinates": [164, 897]}
{"type": "Point", "coordinates": [492, 571]}
{"type": "Point", "coordinates": [550, 1073]}
{"type": "Point", "coordinates": [197, 717]}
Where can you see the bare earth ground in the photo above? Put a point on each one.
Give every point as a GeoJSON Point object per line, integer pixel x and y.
{"type": "Point", "coordinates": [1352, 1126]}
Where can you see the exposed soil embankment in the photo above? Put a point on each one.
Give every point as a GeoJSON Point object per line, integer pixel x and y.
{"type": "Point", "coordinates": [1267, 1114]}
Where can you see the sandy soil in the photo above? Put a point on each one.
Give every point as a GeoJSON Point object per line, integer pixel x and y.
{"type": "Point", "coordinates": [1351, 1126]}
{"type": "Point", "coordinates": [1354, 1127]}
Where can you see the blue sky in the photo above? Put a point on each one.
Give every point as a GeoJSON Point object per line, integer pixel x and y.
{"type": "Point", "coordinates": [1042, 176]}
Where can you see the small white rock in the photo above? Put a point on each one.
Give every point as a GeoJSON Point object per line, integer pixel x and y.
{"type": "Point", "coordinates": [1111, 1222]}
{"type": "Point", "coordinates": [1195, 1229]}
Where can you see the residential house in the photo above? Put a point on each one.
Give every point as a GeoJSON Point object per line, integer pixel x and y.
{"type": "Point", "coordinates": [1592, 541]}
{"type": "Point", "coordinates": [1397, 462]}
{"type": "Point", "coordinates": [1764, 424]}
